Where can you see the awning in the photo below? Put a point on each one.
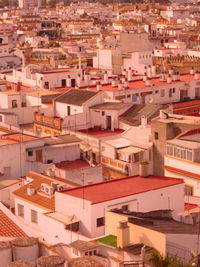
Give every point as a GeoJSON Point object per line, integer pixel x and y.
{"type": "Point", "coordinates": [189, 212]}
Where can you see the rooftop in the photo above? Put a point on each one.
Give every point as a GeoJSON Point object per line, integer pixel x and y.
{"type": "Point", "coordinates": [139, 84]}
{"type": "Point", "coordinates": [38, 199]}
{"type": "Point", "coordinates": [8, 228]}
{"type": "Point", "coordinates": [110, 240]}
{"type": "Point", "coordinates": [122, 187]}
{"type": "Point", "coordinates": [73, 165]}
{"type": "Point", "coordinates": [86, 261]}
{"type": "Point", "coordinates": [134, 114]}
{"type": "Point", "coordinates": [8, 182]}
{"type": "Point", "coordinates": [67, 220]}
{"type": "Point", "coordinates": [13, 138]}
{"type": "Point", "coordinates": [82, 245]}
{"type": "Point", "coordinates": [75, 97]}
{"type": "Point", "coordinates": [111, 106]}
{"type": "Point", "coordinates": [61, 139]}
{"type": "Point", "coordinates": [99, 132]}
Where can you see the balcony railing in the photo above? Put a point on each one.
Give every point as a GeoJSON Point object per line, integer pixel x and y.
{"type": "Point", "coordinates": [49, 121]}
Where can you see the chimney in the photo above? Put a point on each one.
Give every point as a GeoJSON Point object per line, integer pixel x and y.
{"type": "Point", "coordinates": [105, 78]}
{"type": "Point", "coordinates": [163, 114]}
{"type": "Point", "coordinates": [196, 76]}
{"type": "Point", "coordinates": [148, 82]}
{"type": "Point", "coordinates": [98, 86]}
{"type": "Point", "coordinates": [120, 86]}
{"type": "Point", "coordinates": [129, 74]}
{"type": "Point", "coordinates": [192, 71]}
{"type": "Point", "coordinates": [126, 83]}
{"type": "Point", "coordinates": [79, 80]}
{"type": "Point", "coordinates": [122, 234]}
{"type": "Point", "coordinates": [144, 169]}
{"type": "Point", "coordinates": [169, 79]}
{"type": "Point", "coordinates": [143, 121]}
{"type": "Point", "coordinates": [149, 73]}
{"type": "Point", "coordinates": [114, 82]}
{"type": "Point", "coordinates": [30, 190]}
{"type": "Point", "coordinates": [87, 77]}
{"type": "Point", "coordinates": [153, 70]}
{"type": "Point", "coordinates": [68, 81]}
{"type": "Point", "coordinates": [124, 72]}
{"type": "Point", "coordinates": [145, 77]}
{"type": "Point", "coordinates": [171, 71]}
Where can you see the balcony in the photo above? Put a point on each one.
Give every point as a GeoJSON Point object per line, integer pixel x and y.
{"type": "Point", "coordinates": [52, 122]}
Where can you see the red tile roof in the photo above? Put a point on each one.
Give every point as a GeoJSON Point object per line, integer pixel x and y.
{"type": "Point", "coordinates": [139, 84]}
{"type": "Point", "coordinates": [73, 165]}
{"type": "Point", "coordinates": [186, 104]}
{"type": "Point", "coordinates": [98, 132]}
{"type": "Point", "coordinates": [8, 228]}
{"type": "Point", "coordinates": [189, 206]}
{"type": "Point", "coordinates": [123, 187]}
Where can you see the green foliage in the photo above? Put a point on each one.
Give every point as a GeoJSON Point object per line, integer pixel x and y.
{"type": "Point", "coordinates": [62, 57]}
{"type": "Point", "coordinates": [159, 260]}
{"type": "Point", "coordinates": [51, 3]}
{"type": "Point", "coordinates": [54, 44]}
{"type": "Point", "coordinates": [4, 3]}
{"type": "Point", "coordinates": [109, 240]}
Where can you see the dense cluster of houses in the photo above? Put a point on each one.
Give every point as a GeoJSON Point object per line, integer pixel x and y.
{"type": "Point", "coordinates": [100, 131]}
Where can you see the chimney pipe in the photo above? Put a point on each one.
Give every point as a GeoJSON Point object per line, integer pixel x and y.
{"type": "Point", "coordinates": [144, 169]}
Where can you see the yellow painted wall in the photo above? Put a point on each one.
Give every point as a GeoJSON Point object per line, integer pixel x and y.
{"type": "Point", "coordinates": [138, 234]}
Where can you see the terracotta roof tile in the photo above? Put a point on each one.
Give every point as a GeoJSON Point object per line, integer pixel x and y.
{"type": "Point", "coordinates": [8, 228]}
{"type": "Point", "coordinates": [122, 187]}
{"type": "Point", "coordinates": [37, 199]}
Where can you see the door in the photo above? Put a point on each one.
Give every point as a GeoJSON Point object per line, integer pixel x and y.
{"type": "Point", "coordinates": [108, 122]}
{"type": "Point", "coordinates": [73, 82]}
{"type": "Point", "coordinates": [39, 155]}
{"type": "Point", "coordinates": [183, 95]}
{"type": "Point", "coordinates": [63, 82]}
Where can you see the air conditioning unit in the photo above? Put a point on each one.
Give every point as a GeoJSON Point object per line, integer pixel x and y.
{"type": "Point", "coordinates": [54, 185]}
{"type": "Point", "coordinates": [47, 189]}
{"type": "Point", "coordinates": [61, 187]}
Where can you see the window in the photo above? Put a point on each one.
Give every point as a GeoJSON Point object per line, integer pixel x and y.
{"type": "Point", "coordinates": [34, 216]}
{"type": "Point", "coordinates": [46, 85]}
{"type": "Point", "coordinates": [162, 93]}
{"type": "Point", "coordinates": [173, 90]}
{"type": "Point", "coordinates": [125, 207]}
{"type": "Point", "coordinates": [73, 227]}
{"type": "Point", "coordinates": [188, 190]}
{"type": "Point", "coordinates": [68, 110]}
{"type": "Point", "coordinates": [30, 153]}
{"type": "Point", "coordinates": [14, 103]}
{"type": "Point", "coordinates": [103, 113]}
{"type": "Point", "coordinates": [136, 157]}
{"type": "Point", "coordinates": [100, 222]}
{"type": "Point", "coordinates": [156, 136]}
{"type": "Point", "coordinates": [75, 251]}
{"type": "Point", "coordinates": [20, 210]}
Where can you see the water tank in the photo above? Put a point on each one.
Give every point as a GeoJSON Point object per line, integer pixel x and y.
{"type": "Point", "coordinates": [25, 249]}
{"type": "Point", "coordinates": [144, 169]}
{"type": "Point", "coordinates": [22, 264]}
{"type": "Point", "coordinates": [50, 261]}
{"type": "Point", "coordinates": [5, 253]}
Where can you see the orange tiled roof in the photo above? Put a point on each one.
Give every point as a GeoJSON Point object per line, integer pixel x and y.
{"type": "Point", "coordinates": [38, 199]}
{"type": "Point", "coordinates": [8, 228]}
